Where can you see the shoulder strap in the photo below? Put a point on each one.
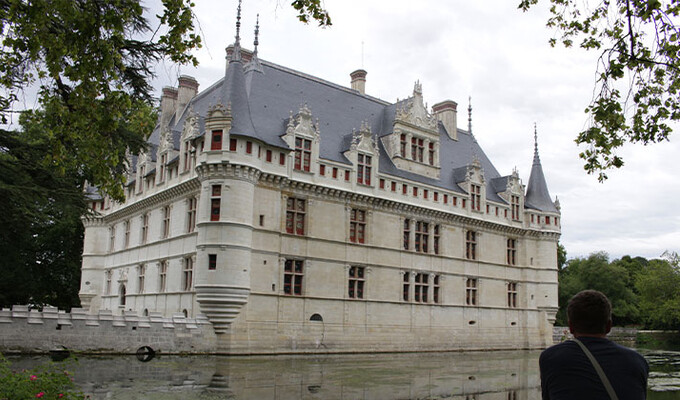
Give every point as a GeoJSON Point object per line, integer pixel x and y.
{"type": "Point", "coordinates": [600, 372]}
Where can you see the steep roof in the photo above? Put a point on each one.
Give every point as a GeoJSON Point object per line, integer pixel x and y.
{"type": "Point", "coordinates": [538, 196]}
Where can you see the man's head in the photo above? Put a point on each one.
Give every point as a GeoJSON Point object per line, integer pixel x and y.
{"type": "Point", "coordinates": [589, 313]}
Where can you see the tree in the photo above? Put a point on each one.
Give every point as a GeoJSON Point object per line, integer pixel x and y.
{"type": "Point", "coordinates": [561, 256]}
{"type": "Point", "coordinates": [659, 295]}
{"type": "Point", "coordinates": [636, 97]}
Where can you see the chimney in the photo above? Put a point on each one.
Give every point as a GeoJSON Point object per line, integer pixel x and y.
{"type": "Point", "coordinates": [359, 80]}
{"type": "Point", "coordinates": [188, 87]}
{"type": "Point", "coordinates": [446, 113]}
{"type": "Point", "coordinates": [168, 104]}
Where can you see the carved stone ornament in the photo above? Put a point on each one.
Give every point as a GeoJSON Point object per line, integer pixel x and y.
{"type": "Point", "coordinates": [123, 275]}
{"type": "Point", "coordinates": [475, 173]}
{"type": "Point", "coordinates": [363, 139]}
{"type": "Point", "coordinates": [414, 111]}
{"type": "Point", "coordinates": [557, 204]}
{"type": "Point", "coordinates": [219, 110]}
{"type": "Point", "coordinates": [514, 185]}
{"type": "Point", "coordinates": [190, 129]}
{"type": "Point", "coordinates": [165, 141]}
{"type": "Point", "coordinates": [301, 124]}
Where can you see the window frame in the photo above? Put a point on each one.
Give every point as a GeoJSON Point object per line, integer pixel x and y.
{"type": "Point", "coordinates": [357, 225]}
{"type": "Point", "coordinates": [296, 217]}
{"type": "Point", "coordinates": [471, 292]}
{"type": "Point", "coordinates": [356, 282]}
{"type": "Point", "coordinates": [294, 277]}
{"type": "Point", "coordinates": [470, 244]}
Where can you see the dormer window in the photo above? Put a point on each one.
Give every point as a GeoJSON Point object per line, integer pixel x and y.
{"type": "Point", "coordinates": [430, 153]}
{"type": "Point", "coordinates": [514, 204]}
{"type": "Point", "coordinates": [364, 169]}
{"type": "Point", "coordinates": [475, 197]}
{"type": "Point", "coordinates": [161, 169]}
{"type": "Point", "coordinates": [403, 145]}
{"type": "Point", "coordinates": [303, 154]}
{"type": "Point", "coordinates": [216, 140]}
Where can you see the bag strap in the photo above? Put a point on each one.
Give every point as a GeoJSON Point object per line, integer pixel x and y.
{"type": "Point", "coordinates": [598, 369]}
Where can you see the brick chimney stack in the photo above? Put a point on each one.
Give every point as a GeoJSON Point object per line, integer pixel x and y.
{"type": "Point", "coordinates": [359, 80]}
{"type": "Point", "coordinates": [168, 104]}
{"type": "Point", "coordinates": [445, 112]}
{"type": "Point", "coordinates": [188, 88]}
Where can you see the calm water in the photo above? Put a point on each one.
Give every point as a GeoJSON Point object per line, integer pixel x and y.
{"type": "Point", "coordinates": [477, 375]}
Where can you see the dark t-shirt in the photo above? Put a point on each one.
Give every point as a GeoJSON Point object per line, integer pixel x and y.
{"type": "Point", "coordinates": [566, 372]}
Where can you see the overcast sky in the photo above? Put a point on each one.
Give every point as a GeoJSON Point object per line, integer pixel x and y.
{"type": "Point", "coordinates": [499, 56]}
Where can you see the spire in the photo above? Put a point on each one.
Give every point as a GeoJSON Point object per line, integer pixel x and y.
{"type": "Point", "coordinates": [237, 42]}
{"type": "Point", "coordinates": [470, 115]}
{"type": "Point", "coordinates": [538, 196]}
{"type": "Point", "coordinates": [257, 34]}
{"type": "Point", "coordinates": [254, 63]}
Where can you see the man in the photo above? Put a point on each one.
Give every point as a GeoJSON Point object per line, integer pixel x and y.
{"type": "Point", "coordinates": [567, 372]}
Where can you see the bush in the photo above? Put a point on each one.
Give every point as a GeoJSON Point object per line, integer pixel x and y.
{"type": "Point", "coordinates": [47, 381]}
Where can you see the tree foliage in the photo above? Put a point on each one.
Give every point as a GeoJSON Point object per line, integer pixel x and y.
{"type": "Point", "coordinates": [659, 294]}
{"type": "Point", "coordinates": [636, 97]}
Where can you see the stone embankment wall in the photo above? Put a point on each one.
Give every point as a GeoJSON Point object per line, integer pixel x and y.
{"type": "Point", "coordinates": [31, 331]}
{"type": "Point", "coordinates": [624, 336]}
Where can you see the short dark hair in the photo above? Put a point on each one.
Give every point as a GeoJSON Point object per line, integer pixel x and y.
{"type": "Point", "coordinates": [589, 311]}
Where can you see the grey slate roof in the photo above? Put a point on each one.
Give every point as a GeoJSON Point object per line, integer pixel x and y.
{"type": "Point", "coordinates": [262, 102]}
{"type": "Point", "coordinates": [537, 196]}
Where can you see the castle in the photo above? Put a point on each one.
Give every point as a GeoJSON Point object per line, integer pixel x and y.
{"type": "Point", "coordinates": [299, 215]}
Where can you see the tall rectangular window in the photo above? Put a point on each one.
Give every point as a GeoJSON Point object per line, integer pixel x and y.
{"type": "Point", "coordinates": [145, 228]}
{"type": "Point", "coordinates": [514, 204]}
{"type": "Point", "coordinates": [165, 228]}
{"type": "Point", "coordinates": [292, 277]}
{"type": "Point", "coordinates": [471, 245]}
{"type": "Point", "coordinates": [393, 186]}
{"type": "Point", "coordinates": [296, 210]}
{"type": "Point", "coordinates": [347, 176]}
{"type": "Point", "coordinates": [356, 282]}
{"type": "Point", "coordinates": [471, 292]}
{"type": "Point", "coordinates": [303, 154]}
{"type": "Point", "coordinates": [402, 145]}
{"type": "Point", "coordinates": [112, 238]}
{"type": "Point", "coordinates": [382, 183]}
{"type": "Point", "coordinates": [335, 173]}
{"type": "Point", "coordinates": [212, 262]}
{"type": "Point", "coordinates": [357, 226]}
{"type": "Point", "coordinates": [512, 294]}
{"type": "Point", "coordinates": [126, 225]}
{"type": "Point", "coordinates": [162, 275]}
{"type": "Point", "coordinates": [322, 169]}
{"type": "Point", "coordinates": [364, 169]}
{"type": "Point", "coordinates": [162, 167]}
{"type": "Point", "coordinates": [216, 140]}
{"type": "Point", "coordinates": [407, 233]}
{"type": "Point", "coordinates": [404, 189]}
{"type": "Point", "coordinates": [188, 273]}
{"type": "Point", "coordinates": [475, 197]}
{"type": "Point", "coordinates": [435, 289]}
{"type": "Point", "coordinates": [422, 236]}
{"type": "Point", "coordinates": [233, 143]}
{"type": "Point", "coordinates": [282, 158]}
{"type": "Point", "coordinates": [268, 156]}
{"type": "Point", "coordinates": [249, 147]}
{"type": "Point", "coordinates": [141, 272]}
{"type": "Point", "coordinates": [406, 287]}
{"type": "Point", "coordinates": [191, 214]}
{"type": "Point", "coordinates": [430, 153]}
{"type": "Point", "coordinates": [512, 252]}
{"type": "Point", "coordinates": [421, 287]}
{"type": "Point", "coordinates": [215, 202]}
{"type": "Point", "coordinates": [108, 276]}
{"type": "Point", "coordinates": [435, 239]}
{"type": "Point", "coordinates": [186, 156]}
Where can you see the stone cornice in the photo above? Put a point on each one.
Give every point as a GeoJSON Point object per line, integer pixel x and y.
{"type": "Point", "coordinates": [165, 196]}
{"type": "Point", "coordinates": [226, 170]}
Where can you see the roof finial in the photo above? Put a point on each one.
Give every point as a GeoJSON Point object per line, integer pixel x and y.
{"type": "Point", "coordinates": [237, 43]}
{"type": "Point", "coordinates": [257, 34]}
{"type": "Point", "coordinates": [470, 115]}
{"type": "Point", "coordinates": [536, 159]}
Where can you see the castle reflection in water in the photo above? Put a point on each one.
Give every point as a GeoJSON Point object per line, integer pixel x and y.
{"type": "Point", "coordinates": [502, 375]}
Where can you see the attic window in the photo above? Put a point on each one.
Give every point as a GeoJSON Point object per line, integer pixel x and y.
{"type": "Point", "coordinates": [216, 140]}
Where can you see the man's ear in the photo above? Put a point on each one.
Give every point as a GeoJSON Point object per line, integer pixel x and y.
{"type": "Point", "coordinates": [571, 327]}
{"type": "Point", "coordinates": [609, 326]}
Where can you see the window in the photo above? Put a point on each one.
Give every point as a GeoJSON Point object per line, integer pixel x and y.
{"type": "Point", "coordinates": [430, 153]}
{"type": "Point", "coordinates": [357, 226]}
{"type": "Point", "coordinates": [215, 201]}
{"type": "Point", "coordinates": [475, 197]}
{"type": "Point", "coordinates": [188, 273]}
{"type": "Point", "coordinates": [421, 287]}
{"type": "Point", "coordinates": [162, 275]}
{"type": "Point", "coordinates": [165, 231]}
{"type": "Point", "coordinates": [282, 158]}
{"type": "Point", "coordinates": [162, 166]}
{"type": "Point", "coordinates": [406, 287]}
{"type": "Point", "coordinates": [404, 189]}
{"type": "Point", "coordinates": [126, 225]}
{"type": "Point", "coordinates": [112, 238]}
{"type": "Point", "coordinates": [295, 216]}
{"type": "Point", "coordinates": [463, 203]}
{"type": "Point", "coordinates": [415, 191]}
{"type": "Point", "coordinates": [232, 144]}
{"type": "Point", "coordinates": [141, 271]}
{"type": "Point", "coordinates": [426, 193]}
{"type": "Point", "coordinates": [335, 173]}
{"type": "Point", "coordinates": [471, 245]}
{"type": "Point", "coordinates": [292, 277]}
{"type": "Point", "coordinates": [393, 186]}
{"type": "Point", "coordinates": [268, 156]}
{"type": "Point", "coordinates": [512, 252]}
{"type": "Point", "coordinates": [364, 169]}
{"type": "Point", "coordinates": [514, 201]}
{"type": "Point", "coordinates": [216, 140]}
{"type": "Point", "coordinates": [446, 198]}
{"type": "Point", "coordinates": [407, 233]}
{"type": "Point", "coordinates": [402, 145]}
{"type": "Point", "coordinates": [212, 261]}
{"type": "Point", "coordinates": [547, 220]}
{"type": "Point", "coordinates": [108, 274]}
{"type": "Point", "coordinates": [249, 147]}
{"type": "Point", "coordinates": [191, 214]}
{"type": "Point", "coordinates": [512, 294]}
{"type": "Point", "coordinates": [435, 239]}
{"type": "Point", "coordinates": [417, 149]}
{"type": "Point", "coordinates": [435, 289]}
{"type": "Point", "coordinates": [322, 170]}
{"type": "Point", "coordinates": [471, 292]}
{"type": "Point", "coordinates": [145, 228]}
{"type": "Point", "coordinates": [422, 236]}
{"type": "Point", "coordinates": [435, 196]}
{"type": "Point", "coordinates": [455, 201]}
{"type": "Point", "coordinates": [356, 282]}
{"type": "Point", "coordinates": [347, 176]}
{"type": "Point", "coordinates": [122, 292]}
{"type": "Point", "coordinates": [186, 156]}
{"type": "Point", "coordinates": [303, 154]}
{"type": "Point", "coordinates": [382, 183]}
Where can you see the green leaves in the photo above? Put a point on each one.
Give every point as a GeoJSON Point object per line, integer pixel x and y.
{"type": "Point", "coordinates": [636, 94]}
{"type": "Point", "coordinates": [311, 10]}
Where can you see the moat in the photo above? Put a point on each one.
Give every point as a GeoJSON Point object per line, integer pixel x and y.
{"type": "Point", "coordinates": [459, 375]}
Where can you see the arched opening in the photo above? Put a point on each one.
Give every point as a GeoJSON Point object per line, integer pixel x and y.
{"type": "Point", "coordinates": [121, 293]}
{"type": "Point", "coordinates": [146, 312]}
{"type": "Point", "coordinates": [186, 313]}
{"type": "Point", "coordinates": [316, 317]}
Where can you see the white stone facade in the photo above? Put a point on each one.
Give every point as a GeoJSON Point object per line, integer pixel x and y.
{"type": "Point", "coordinates": [285, 256]}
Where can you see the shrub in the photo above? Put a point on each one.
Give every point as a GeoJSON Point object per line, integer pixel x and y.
{"type": "Point", "coordinates": [46, 382]}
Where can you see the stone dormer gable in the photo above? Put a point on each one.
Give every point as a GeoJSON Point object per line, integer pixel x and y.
{"type": "Point", "coordinates": [218, 122]}
{"type": "Point", "coordinates": [413, 144]}
{"type": "Point", "coordinates": [166, 152]}
{"type": "Point", "coordinates": [471, 179]}
{"type": "Point", "coordinates": [303, 137]}
{"type": "Point", "coordinates": [508, 186]}
{"type": "Point", "coordinates": [190, 131]}
{"type": "Point", "coordinates": [364, 153]}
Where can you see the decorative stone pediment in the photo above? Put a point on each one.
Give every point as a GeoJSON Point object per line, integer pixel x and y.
{"type": "Point", "coordinates": [413, 111]}
{"type": "Point", "coordinates": [364, 154]}
{"type": "Point", "coordinates": [165, 143]}
{"type": "Point", "coordinates": [190, 129]}
{"type": "Point", "coordinates": [475, 172]}
{"type": "Point", "coordinates": [363, 140]}
{"type": "Point", "coordinates": [514, 185]}
{"type": "Point", "coordinates": [301, 124]}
